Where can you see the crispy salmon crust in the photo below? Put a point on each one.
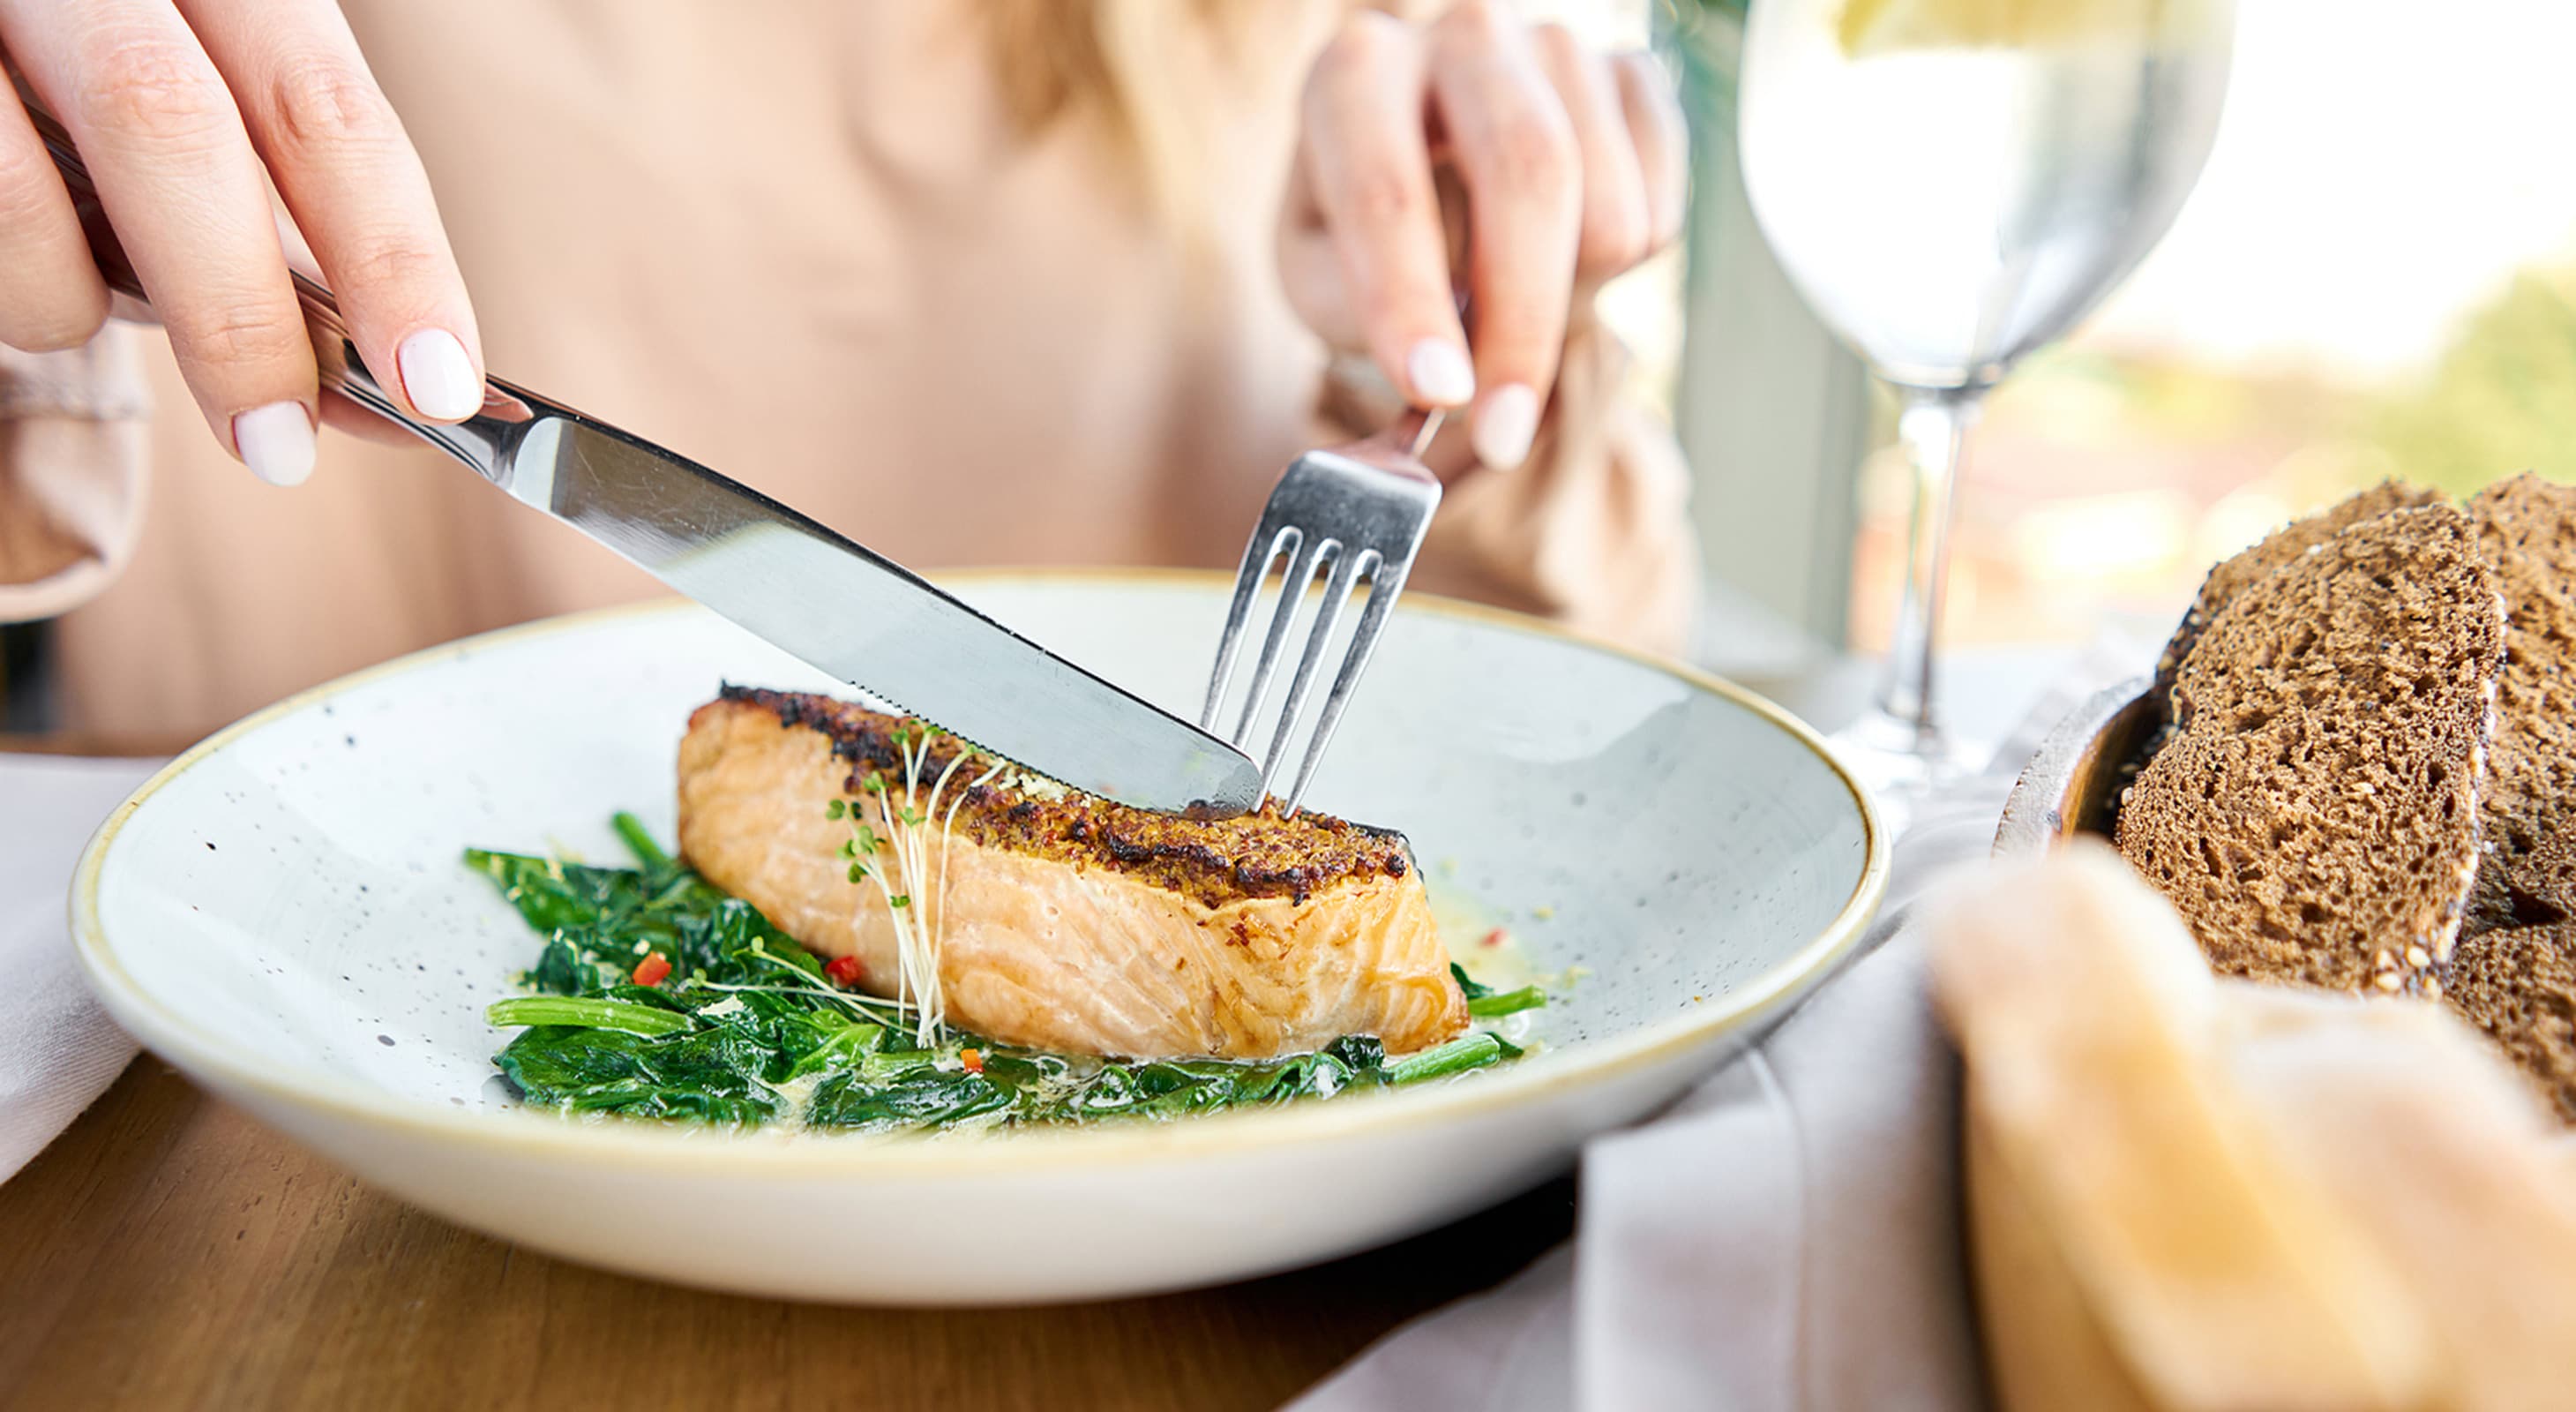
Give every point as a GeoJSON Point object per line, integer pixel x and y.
{"type": "Point", "coordinates": [1068, 922]}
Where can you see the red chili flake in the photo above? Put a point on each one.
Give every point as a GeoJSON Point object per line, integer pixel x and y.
{"type": "Point", "coordinates": [844, 970]}
{"type": "Point", "coordinates": [652, 969]}
{"type": "Point", "coordinates": [1496, 937]}
{"type": "Point", "coordinates": [973, 1059]}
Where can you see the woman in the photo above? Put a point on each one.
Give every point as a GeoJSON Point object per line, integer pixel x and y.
{"type": "Point", "coordinates": [1002, 281]}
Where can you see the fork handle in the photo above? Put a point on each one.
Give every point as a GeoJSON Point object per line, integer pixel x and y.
{"type": "Point", "coordinates": [1413, 431]}
{"type": "Point", "coordinates": [482, 441]}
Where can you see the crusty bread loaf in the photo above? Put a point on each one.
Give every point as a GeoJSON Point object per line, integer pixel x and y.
{"type": "Point", "coordinates": [2519, 985]}
{"type": "Point", "coordinates": [2529, 529]}
{"type": "Point", "coordinates": [2234, 575]}
{"type": "Point", "coordinates": [2187, 1195]}
{"type": "Point", "coordinates": [2314, 816]}
{"type": "Point", "coordinates": [2130, 1217]}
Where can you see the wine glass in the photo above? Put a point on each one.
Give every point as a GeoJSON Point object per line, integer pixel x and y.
{"type": "Point", "coordinates": [1951, 184]}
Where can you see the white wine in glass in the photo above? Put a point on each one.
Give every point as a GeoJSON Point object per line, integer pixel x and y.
{"type": "Point", "coordinates": [1951, 184]}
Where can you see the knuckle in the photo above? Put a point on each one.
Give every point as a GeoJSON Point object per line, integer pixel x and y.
{"type": "Point", "coordinates": [238, 336]}
{"type": "Point", "coordinates": [55, 324]}
{"type": "Point", "coordinates": [1665, 233]}
{"type": "Point", "coordinates": [1653, 89]}
{"type": "Point", "coordinates": [1381, 195]}
{"type": "Point", "coordinates": [1639, 67]}
{"type": "Point", "coordinates": [1364, 38]}
{"type": "Point", "coordinates": [28, 187]}
{"type": "Point", "coordinates": [389, 262]}
{"type": "Point", "coordinates": [1558, 46]}
{"type": "Point", "coordinates": [48, 300]}
{"type": "Point", "coordinates": [1671, 203]}
{"type": "Point", "coordinates": [316, 100]}
{"type": "Point", "coordinates": [1526, 362]}
{"type": "Point", "coordinates": [1614, 242]}
{"type": "Point", "coordinates": [1533, 153]}
{"type": "Point", "coordinates": [151, 88]}
{"type": "Point", "coordinates": [1474, 20]}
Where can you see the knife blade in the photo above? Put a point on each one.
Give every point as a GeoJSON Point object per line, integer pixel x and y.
{"type": "Point", "coordinates": [822, 597]}
{"type": "Point", "coordinates": [859, 615]}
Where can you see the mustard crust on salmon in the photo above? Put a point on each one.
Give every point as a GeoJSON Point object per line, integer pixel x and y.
{"type": "Point", "coordinates": [1064, 921]}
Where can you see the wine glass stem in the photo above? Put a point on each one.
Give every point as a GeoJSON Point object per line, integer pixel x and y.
{"type": "Point", "coordinates": [1931, 426]}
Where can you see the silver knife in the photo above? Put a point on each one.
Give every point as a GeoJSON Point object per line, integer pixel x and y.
{"type": "Point", "coordinates": [834, 603]}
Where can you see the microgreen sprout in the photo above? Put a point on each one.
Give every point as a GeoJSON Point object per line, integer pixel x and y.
{"type": "Point", "coordinates": [899, 858]}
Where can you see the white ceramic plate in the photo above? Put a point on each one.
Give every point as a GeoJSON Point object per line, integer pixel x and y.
{"type": "Point", "coordinates": [282, 914]}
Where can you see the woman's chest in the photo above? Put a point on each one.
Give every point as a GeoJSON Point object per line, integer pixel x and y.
{"type": "Point", "coordinates": [805, 241]}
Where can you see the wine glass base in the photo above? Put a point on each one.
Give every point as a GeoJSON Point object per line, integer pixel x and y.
{"type": "Point", "coordinates": [1903, 765]}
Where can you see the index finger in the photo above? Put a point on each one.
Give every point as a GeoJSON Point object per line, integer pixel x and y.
{"type": "Point", "coordinates": [357, 191]}
{"type": "Point", "coordinates": [1514, 148]}
{"type": "Point", "coordinates": [1371, 167]}
{"type": "Point", "coordinates": [177, 177]}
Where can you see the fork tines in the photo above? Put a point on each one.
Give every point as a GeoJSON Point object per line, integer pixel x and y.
{"type": "Point", "coordinates": [1358, 519]}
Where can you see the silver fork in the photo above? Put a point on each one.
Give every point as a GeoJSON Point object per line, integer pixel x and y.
{"type": "Point", "coordinates": [1362, 509]}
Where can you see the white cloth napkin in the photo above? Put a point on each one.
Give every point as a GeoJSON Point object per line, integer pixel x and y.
{"type": "Point", "coordinates": [58, 1050]}
{"type": "Point", "coordinates": [1785, 1237]}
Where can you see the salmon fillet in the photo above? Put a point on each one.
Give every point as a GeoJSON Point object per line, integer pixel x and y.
{"type": "Point", "coordinates": [1068, 922]}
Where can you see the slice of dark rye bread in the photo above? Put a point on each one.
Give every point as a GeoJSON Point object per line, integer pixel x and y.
{"type": "Point", "coordinates": [2314, 814]}
{"type": "Point", "coordinates": [2514, 972]}
{"type": "Point", "coordinates": [2528, 527]}
{"type": "Point", "coordinates": [2519, 985]}
{"type": "Point", "coordinates": [2234, 575]}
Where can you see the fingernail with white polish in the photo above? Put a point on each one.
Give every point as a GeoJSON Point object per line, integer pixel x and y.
{"type": "Point", "coordinates": [1440, 372]}
{"type": "Point", "coordinates": [276, 442]}
{"type": "Point", "coordinates": [1505, 426]}
{"type": "Point", "coordinates": [438, 377]}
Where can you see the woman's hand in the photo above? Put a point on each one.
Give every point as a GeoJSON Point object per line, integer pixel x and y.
{"type": "Point", "coordinates": [181, 109]}
{"type": "Point", "coordinates": [1574, 167]}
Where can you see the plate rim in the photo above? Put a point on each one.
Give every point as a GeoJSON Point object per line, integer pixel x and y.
{"type": "Point", "coordinates": [763, 1153]}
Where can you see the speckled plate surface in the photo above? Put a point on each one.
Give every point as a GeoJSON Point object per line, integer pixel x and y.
{"type": "Point", "coordinates": [282, 914]}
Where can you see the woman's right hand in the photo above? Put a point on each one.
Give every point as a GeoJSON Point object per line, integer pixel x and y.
{"type": "Point", "coordinates": [180, 108]}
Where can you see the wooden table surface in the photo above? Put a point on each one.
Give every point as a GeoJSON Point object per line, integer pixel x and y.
{"type": "Point", "coordinates": [167, 1251]}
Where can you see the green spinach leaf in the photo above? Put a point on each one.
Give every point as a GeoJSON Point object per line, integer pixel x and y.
{"type": "Point", "coordinates": [745, 1021]}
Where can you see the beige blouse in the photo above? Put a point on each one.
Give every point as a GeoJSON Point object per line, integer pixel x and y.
{"type": "Point", "coordinates": [799, 241]}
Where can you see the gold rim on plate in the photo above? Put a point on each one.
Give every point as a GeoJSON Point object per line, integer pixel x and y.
{"type": "Point", "coordinates": [768, 1153]}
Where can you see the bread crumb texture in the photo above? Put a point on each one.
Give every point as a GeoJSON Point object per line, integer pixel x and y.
{"type": "Point", "coordinates": [2282, 547]}
{"type": "Point", "coordinates": [2528, 527]}
{"type": "Point", "coordinates": [2314, 813]}
{"type": "Point", "coordinates": [2519, 985]}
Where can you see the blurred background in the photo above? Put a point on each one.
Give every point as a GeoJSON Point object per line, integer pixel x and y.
{"type": "Point", "coordinates": [2376, 276]}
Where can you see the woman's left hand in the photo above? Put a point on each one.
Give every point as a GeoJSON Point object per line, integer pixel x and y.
{"type": "Point", "coordinates": [1574, 166]}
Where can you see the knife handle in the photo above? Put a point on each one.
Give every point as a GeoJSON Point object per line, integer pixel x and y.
{"type": "Point", "coordinates": [482, 441]}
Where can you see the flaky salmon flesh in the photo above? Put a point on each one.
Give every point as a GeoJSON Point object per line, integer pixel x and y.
{"type": "Point", "coordinates": [1066, 922]}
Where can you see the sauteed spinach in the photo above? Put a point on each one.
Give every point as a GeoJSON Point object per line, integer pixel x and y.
{"type": "Point", "coordinates": [656, 995]}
